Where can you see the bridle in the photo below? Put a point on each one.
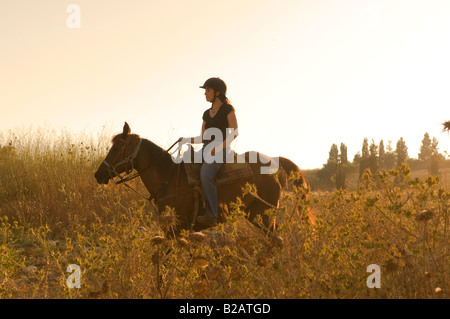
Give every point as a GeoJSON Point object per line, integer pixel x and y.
{"type": "Point", "coordinates": [128, 160]}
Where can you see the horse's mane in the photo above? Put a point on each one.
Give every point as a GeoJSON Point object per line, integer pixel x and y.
{"type": "Point", "coordinates": [158, 157]}
{"type": "Point", "coordinates": [121, 136]}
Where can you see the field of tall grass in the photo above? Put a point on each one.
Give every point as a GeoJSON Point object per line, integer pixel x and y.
{"type": "Point", "coordinates": [54, 214]}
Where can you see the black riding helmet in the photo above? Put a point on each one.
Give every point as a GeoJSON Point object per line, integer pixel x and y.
{"type": "Point", "coordinates": [217, 84]}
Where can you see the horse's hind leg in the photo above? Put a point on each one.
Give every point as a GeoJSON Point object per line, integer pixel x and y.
{"type": "Point", "coordinates": [268, 198]}
{"type": "Point", "coordinates": [258, 208]}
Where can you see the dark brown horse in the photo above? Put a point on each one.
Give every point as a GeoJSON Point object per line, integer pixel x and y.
{"type": "Point", "coordinates": [167, 182]}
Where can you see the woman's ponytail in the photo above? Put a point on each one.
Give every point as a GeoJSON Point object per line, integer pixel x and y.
{"type": "Point", "coordinates": [223, 98]}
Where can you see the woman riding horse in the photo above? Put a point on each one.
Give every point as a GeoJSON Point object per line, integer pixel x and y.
{"type": "Point", "coordinates": [221, 115]}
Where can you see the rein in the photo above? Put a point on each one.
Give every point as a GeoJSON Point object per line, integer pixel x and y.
{"type": "Point", "coordinates": [129, 178]}
{"type": "Point", "coordinates": [127, 160]}
{"type": "Point", "coordinates": [130, 160]}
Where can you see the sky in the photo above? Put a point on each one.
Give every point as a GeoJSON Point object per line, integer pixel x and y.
{"type": "Point", "coordinates": [302, 75]}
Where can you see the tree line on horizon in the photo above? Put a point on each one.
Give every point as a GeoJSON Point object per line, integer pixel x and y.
{"type": "Point", "coordinates": [376, 157]}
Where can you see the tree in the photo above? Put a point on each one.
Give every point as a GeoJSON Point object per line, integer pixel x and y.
{"type": "Point", "coordinates": [357, 158]}
{"type": "Point", "coordinates": [365, 149]}
{"type": "Point", "coordinates": [332, 173]}
{"type": "Point", "coordinates": [435, 158]}
{"type": "Point", "coordinates": [365, 154]}
{"type": "Point", "coordinates": [373, 158]}
{"type": "Point", "coordinates": [334, 153]}
{"type": "Point", "coordinates": [389, 157]}
{"type": "Point", "coordinates": [340, 175]}
{"type": "Point", "coordinates": [344, 158]}
{"type": "Point", "coordinates": [426, 148]}
{"type": "Point", "coordinates": [381, 155]}
{"type": "Point", "coordinates": [401, 152]}
{"type": "Point", "coordinates": [325, 175]}
{"type": "Point", "coordinates": [328, 172]}
{"type": "Point", "coordinates": [342, 163]}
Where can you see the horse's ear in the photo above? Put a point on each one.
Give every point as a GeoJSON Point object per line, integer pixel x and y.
{"type": "Point", "coordinates": [126, 129]}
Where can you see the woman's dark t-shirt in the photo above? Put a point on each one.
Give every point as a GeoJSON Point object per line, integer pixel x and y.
{"type": "Point", "coordinates": [219, 121]}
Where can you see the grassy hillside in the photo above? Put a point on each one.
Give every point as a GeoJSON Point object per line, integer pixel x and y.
{"type": "Point", "coordinates": [53, 214]}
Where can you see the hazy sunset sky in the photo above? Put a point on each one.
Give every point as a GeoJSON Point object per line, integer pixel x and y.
{"type": "Point", "coordinates": [301, 75]}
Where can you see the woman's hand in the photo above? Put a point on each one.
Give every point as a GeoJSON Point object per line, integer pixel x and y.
{"type": "Point", "coordinates": [183, 140]}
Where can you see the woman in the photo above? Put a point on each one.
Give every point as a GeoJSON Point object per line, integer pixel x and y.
{"type": "Point", "coordinates": [221, 116]}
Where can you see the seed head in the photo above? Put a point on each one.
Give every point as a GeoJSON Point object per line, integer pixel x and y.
{"type": "Point", "coordinates": [197, 237]}
{"type": "Point", "coordinates": [183, 242]}
{"type": "Point", "coordinates": [438, 290]}
{"type": "Point", "coordinates": [199, 286]}
{"type": "Point", "coordinates": [158, 240]}
{"type": "Point", "coordinates": [424, 215]}
{"type": "Point", "coordinates": [212, 272]}
{"type": "Point", "coordinates": [263, 259]}
{"type": "Point", "coordinates": [201, 261]}
{"type": "Point", "coordinates": [278, 241]}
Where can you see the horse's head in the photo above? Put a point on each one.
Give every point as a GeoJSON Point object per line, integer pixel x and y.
{"type": "Point", "coordinates": [120, 157]}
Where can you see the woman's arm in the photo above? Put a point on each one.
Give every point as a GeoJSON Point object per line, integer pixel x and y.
{"type": "Point", "coordinates": [232, 121]}
{"type": "Point", "coordinates": [232, 124]}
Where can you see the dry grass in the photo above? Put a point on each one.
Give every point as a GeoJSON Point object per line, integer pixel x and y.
{"type": "Point", "coordinates": [52, 214]}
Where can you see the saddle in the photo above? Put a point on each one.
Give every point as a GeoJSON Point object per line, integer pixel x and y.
{"type": "Point", "coordinates": [229, 173]}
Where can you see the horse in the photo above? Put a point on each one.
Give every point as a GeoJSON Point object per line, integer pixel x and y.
{"type": "Point", "coordinates": [166, 180]}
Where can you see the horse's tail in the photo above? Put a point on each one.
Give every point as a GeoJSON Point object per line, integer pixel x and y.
{"type": "Point", "coordinates": [288, 169]}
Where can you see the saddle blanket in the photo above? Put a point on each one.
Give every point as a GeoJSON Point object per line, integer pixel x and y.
{"type": "Point", "coordinates": [229, 173]}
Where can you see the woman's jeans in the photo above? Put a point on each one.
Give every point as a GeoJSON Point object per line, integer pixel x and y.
{"type": "Point", "coordinates": [208, 174]}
